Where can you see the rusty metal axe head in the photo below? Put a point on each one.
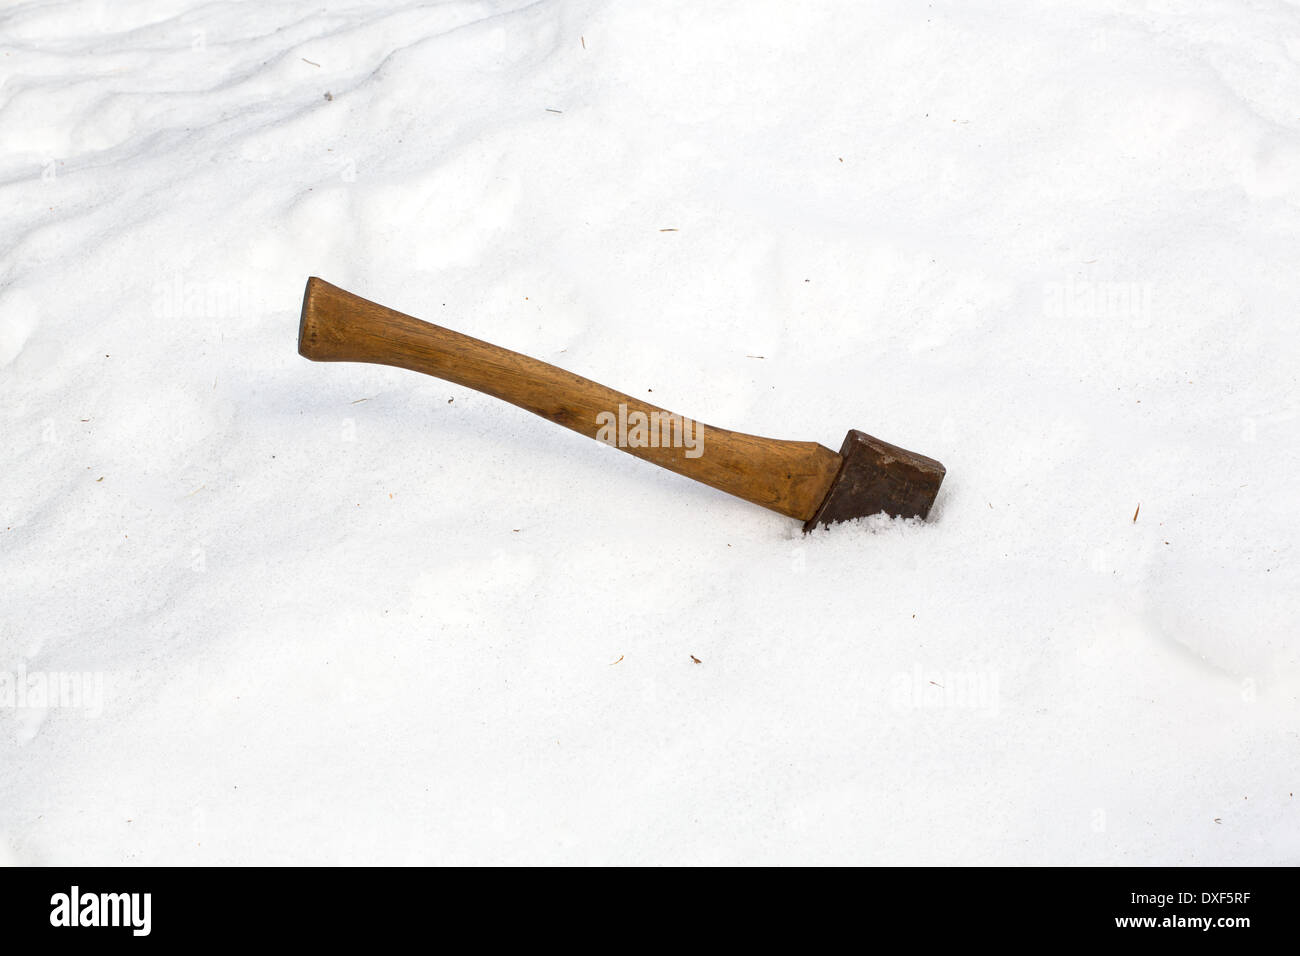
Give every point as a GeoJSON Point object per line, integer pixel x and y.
{"type": "Point", "coordinates": [876, 476]}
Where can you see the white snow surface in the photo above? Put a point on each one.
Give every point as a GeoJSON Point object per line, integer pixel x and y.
{"type": "Point", "coordinates": [347, 613]}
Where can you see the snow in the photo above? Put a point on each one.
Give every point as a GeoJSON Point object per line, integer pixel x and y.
{"type": "Point", "coordinates": [344, 613]}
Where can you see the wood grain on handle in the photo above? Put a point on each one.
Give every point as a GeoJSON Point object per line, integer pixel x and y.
{"type": "Point", "coordinates": [791, 477]}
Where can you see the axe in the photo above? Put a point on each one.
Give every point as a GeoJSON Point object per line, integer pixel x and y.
{"type": "Point", "coordinates": [800, 479]}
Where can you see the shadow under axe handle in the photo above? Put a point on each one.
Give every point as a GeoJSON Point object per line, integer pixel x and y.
{"type": "Point", "coordinates": [790, 477]}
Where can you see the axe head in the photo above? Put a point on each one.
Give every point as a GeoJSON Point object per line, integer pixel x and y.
{"type": "Point", "coordinates": [876, 476]}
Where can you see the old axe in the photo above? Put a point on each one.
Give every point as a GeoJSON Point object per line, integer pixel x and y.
{"type": "Point", "coordinates": [801, 479]}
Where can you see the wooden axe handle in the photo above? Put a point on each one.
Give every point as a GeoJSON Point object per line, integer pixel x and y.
{"type": "Point", "coordinates": [791, 477]}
